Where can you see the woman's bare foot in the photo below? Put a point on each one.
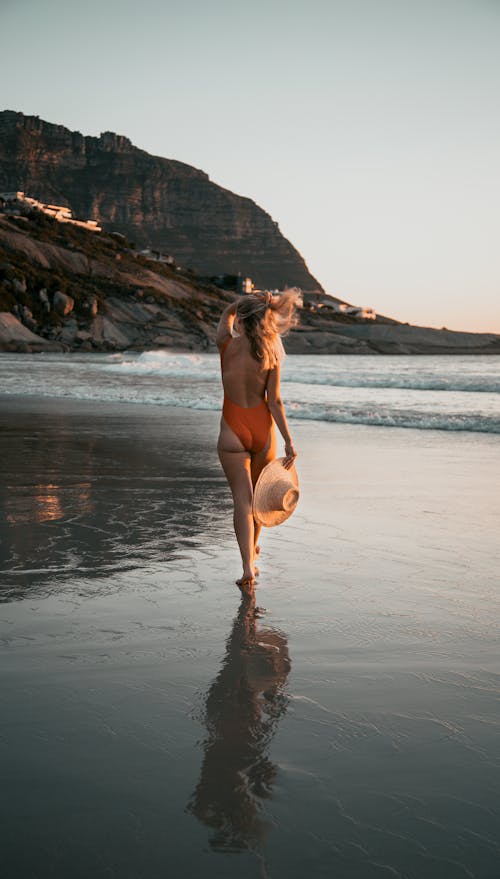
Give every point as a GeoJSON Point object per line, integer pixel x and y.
{"type": "Point", "coordinates": [246, 584]}
{"type": "Point", "coordinates": [247, 577]}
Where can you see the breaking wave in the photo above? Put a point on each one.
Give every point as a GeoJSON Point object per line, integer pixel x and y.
{"type": "Point", "coordinates": [427, 393]}
{"type": "Point", "coordinates": [470, 375]}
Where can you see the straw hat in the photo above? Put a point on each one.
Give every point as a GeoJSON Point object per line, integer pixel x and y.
{"type": "Point", "coordinates": [276, 494]}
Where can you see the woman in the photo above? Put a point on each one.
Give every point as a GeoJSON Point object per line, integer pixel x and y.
{"type": "Point", "coordinates": [250, 365]}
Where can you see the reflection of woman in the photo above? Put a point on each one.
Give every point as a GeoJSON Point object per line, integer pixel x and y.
{"type": "Point", "coordinates": [243, 707]}
{"type": "Point", "coordinates": [251, 379]}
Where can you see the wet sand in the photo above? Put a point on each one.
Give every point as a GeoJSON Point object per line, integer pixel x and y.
{"type": "Point", "coordinates": [346, 725]}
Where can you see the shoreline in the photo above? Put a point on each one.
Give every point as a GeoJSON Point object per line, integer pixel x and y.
{"type": "Point", "coordinates": [313, 349]}
{"type": "Point", "coordinates": [17, 400]}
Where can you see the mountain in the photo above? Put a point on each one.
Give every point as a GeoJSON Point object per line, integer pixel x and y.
{"type": "Point", "coordinates": [155, 202]}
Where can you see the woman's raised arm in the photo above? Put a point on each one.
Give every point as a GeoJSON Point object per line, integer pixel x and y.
{"type": "Point", "coordinates": [225, 324]}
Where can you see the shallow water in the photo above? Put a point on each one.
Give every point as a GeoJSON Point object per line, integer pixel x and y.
{"type": "Point", "coordinates": [347, 725]}
{"type": "Point", "coordinates": [91, 491]}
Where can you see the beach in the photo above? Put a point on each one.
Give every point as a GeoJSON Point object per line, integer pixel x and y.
{"type": "Point", "coordinates": [345, 725]}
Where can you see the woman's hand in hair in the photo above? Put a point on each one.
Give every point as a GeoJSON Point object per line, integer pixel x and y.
{"type": "Point", "coordinates": [265, 296]}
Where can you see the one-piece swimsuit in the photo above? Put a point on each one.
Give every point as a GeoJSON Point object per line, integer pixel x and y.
{"type": "Point", "coordinates": [251, 424]}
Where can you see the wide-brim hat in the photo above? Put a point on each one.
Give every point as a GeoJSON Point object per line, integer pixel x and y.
{"type": "Point", "coordinates": [276, 494]}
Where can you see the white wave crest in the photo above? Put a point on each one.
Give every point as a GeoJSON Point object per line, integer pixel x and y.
{"type": "Point", "coordinates": [165, 363]}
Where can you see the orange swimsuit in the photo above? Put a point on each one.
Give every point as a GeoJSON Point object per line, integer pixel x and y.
{"type": "Point", "coordinates": [251, 424]}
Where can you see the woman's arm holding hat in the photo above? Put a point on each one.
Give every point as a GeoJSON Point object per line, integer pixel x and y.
{"type": "Point", "coordinates": [277, 410]}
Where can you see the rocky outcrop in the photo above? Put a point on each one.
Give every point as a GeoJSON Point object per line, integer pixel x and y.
{"type": "Point", "coordinates": [381, 338]}
{"type": "Point", "coordinates": [65, 289]}
{"type": "Point", "coordinates": [390, 339]}
{"type": "Point", "coordinates": [154, 201]}
{"type": "Point", "coordinates": [62, 303]}
{"type": "Point", "coordinates": [14, 336]}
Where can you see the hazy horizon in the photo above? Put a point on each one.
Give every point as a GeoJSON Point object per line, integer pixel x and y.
{"type": "Point", "coordinates": [369, 132]}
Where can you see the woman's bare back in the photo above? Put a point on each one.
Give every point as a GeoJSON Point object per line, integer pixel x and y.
{"type": "Point", "coordinates": [243, 378]}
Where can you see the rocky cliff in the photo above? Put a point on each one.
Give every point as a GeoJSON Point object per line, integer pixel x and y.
{"type": "Point", "coordinates": [154, 201]}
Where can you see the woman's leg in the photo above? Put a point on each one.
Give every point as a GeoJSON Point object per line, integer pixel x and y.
{"type": "Point", "coordinates": [259, 461]}
{"type": "Point", "coordinates": [235, 462]}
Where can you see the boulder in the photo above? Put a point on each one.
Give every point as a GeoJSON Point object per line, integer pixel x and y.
{"type": "Point", "coordinates": [69, 332]}
{"type": "Point", "coordinates": [83, 336]}
{"type": "Point", "coordinates": [19, 285]}
{"type": "Point", "coordinates": [13, 334]}
{"type": "Point", "coordinates": [104, 331]}
{"type": "Point", "coordinates": [164, 341]}
{"type": "Point", "coordinates": [63, 304]}
{"type": "Point", "coordinates": [90, 306]}
{"type": "Point", "coordinates": [27, 318]}
{"type": "Point", "coordinates": [44, 299]}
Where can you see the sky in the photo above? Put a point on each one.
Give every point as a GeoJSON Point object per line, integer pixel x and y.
{"type": "Point", "coordinates": [368, 129]}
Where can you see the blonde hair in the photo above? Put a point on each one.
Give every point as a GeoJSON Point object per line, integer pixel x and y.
{"type": "Point", "coordinates": [265, 319]}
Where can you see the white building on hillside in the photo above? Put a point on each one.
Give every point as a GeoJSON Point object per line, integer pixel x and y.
{"type": "Point", "coordinates": [244, 285]}
{"type": "Point", "coordinates": [156, 255]}
{"type": "Point", "coordinates": [359, 311]}
{"type": "Point", "coordinates": [14, 201]}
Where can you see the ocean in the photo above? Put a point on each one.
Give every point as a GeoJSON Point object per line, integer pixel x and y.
{"type": "Point", "coordinates": [454, 393]}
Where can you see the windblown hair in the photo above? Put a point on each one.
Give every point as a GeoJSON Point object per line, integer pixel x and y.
{"type": "Point", "coordinates": [265, 320]}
